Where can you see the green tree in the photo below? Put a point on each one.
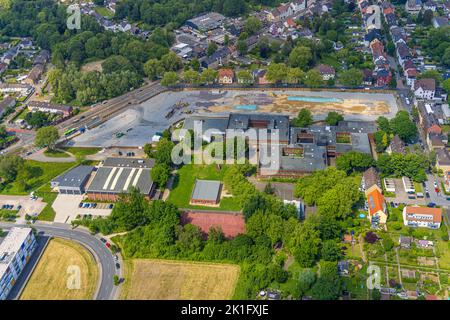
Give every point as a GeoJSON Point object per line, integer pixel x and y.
{"type": "Point", "coordinates": [351, 77]}
{"type": "Point", "coordinates": [212, 47]}
{"type": "Point", "coordinates": [209, 76]}
{"type": "Point", "coordinates": [300, 57]}
{"type": "Point", "coordinates": [277, 72]}
{"type": "Point", "coordinates": [10, 166]}
{"type": "Point", "coordinates": [331, 251]}
{"type": "Point", "coordinates": [304, 119]}
{"type": "Point", "coordinates": [402, 125]}
{"type": "Point", "coordinates": [354, 161]}
{"type": "Point", "coordinates": [313, 79]}
{"type": "Point", "coordinates": [47, 137]}
{"type": "Point", "coordinates": [192, 77]}
{"type": "Point", "coordinates": [169, 79]}
{"type": "Point", "coordinates": [153, 69]}
{"type": "Point", "coordinates": [305, 243]}
{"type": "Point", "coordinates": [328, 285]}
{"type": "Point", "coordinates": [160, 174]}
{"type": "Point", "coordinates": [163, 153]}
{"type": "Point", "coordinates": [245, 77]}
{"type": "Point", "coordinates": [252, 25]}
{"type": "Point", "coordinates": [333, 118]}
{"type": "Point", "coordinates": [294, 76]}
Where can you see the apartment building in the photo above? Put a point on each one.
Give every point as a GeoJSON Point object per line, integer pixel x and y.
{"type": "Point", "coordinates": [15, 251]}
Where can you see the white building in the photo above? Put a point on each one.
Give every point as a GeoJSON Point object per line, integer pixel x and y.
{"type": "Point", "coordinates": [424, 88]}
{"type": "Point", "coordinates": [15, 251]}
{"type": "Point", "coordinates": [423, 217]}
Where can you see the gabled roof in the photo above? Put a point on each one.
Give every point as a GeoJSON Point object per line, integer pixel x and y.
{"type": "Point", "coordinates": [375, 200]}
{"type": "Point", "coordinates": [426, 84]}
{"type": "Point", "coordinates": [325, 69]}
{"type": "Point", "coordinates": [417, 213]}
{"type": "Point", "coordinates": [226, 73]}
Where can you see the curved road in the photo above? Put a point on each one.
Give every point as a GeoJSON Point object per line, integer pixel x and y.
{"type": "Point", "coordinates": [103, 256]}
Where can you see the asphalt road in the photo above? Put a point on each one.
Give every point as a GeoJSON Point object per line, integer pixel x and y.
{"type": "Point", "coordinates": [102, 254]}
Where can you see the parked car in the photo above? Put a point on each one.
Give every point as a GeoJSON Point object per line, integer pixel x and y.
{"type": "Point", "coordinates": [116, 258]}
{"type": "Point", "coordinates": [80, 205]}
{"type": "Point", "coordinates": [108, 245]}
{"type": "Point", "coordinates": [111, 206]}
{"type": "Point", "coordinates": [431, 205]}
{"type": "Point", "coordinates": [117, 265]}
{"type": "Point", "coordinates": [411, 197]}
{"type": "Point", "coordinates": [103, 240]}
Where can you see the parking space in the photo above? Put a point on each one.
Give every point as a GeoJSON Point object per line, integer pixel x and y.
{"type": "Point", "coordinates": [67, 208]}
{"type": "Point", "coordinates": [23, 204]}
{"type": "Point", "coordinates": [401, 196]}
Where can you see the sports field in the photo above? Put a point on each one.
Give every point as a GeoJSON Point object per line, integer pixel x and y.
{"type": "Point", "coordinates": [175, 280]}
{"type": "Point", "coordinates": [55, 273]}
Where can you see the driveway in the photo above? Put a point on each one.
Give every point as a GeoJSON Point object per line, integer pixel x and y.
{"type": "Point", "coordinates": [28, 206]}
{"type": "Point", "coordinates": [66, 208]}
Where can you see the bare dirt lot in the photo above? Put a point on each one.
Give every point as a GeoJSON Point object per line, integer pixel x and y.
{"type": "Point", "coordinates": [158, 113]}
{"type": "Point", "coordinates": [167, 280]}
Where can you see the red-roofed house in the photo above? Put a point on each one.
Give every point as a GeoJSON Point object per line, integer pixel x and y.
{"type": "Point", "coordinates": [226, 76]}
{"type": "Point", "coordinates": [422, 217]}
{"type": "Point", "coordinates": [376, 205]}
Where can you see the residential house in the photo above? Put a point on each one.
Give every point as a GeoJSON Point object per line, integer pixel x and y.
{"type": "Point", "coordinates": [298, 5]}
{"type": "Point", "coordinates": [327, 72]}
{"type": "Point", "coordinates": [217, 59]}
{"type": "Point", "coordinates": [405, 242]}
{"type": "Point", "coordinates": [259, 76]}
{"type": "Point", "coordinates": [424, 88]}
{"type": "Point", "coordinates": [403, 52]}
{"type": "Point", "coordinates": [396, 146]}
{"type": "Point", "coordinates": [413, 6]}
{"type": "Point", "coordinates": [367, 77]}
{"type": "Point", "coordinates": [439, 22]}
{"type": "Point", "coordinates": [443, 160]}
{"type": "Point", "coordinates": [225, 76]}
{"type": "Point", "coordinates": [447, 181]}
{"type": "Point", "coordinates": [382, 77]}
{"type": "Point", "coordinates": [370, 178]}
{"type": "Point", "coordinates": [7, 102]}
{"type": "Point", "coordinates": [376, 205]}
{"type": "Point", "coordinates": [410, 72]}
{"type": "Point", "coordinates": [50, 108]}
{"type": "Point", "coordinates": [280, 13]}
{"type": "Point", "coordinates": [430, 5]}
{"type": "Point", "coordinates": [423, 217]}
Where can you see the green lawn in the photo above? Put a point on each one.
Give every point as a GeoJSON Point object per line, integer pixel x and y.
{"type": "Point", "coordinates": [76, 151]}
{"type": "Point", "coordinates": [56, 154]}
{"type": "Point", "coordinates": [184, 185]}
{"type": "Point", "coordinates": [418, 187]}
{"type": "Point", "coordinates": [47, 214]}
{"type": "Point", "coordinates": [443, 253]}
{"type": "Point", "coordinates": [104, 12]}
{"type": "Point", "coordinates": [41, 172]}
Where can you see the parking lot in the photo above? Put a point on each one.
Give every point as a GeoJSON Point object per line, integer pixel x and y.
{"type": "Point", "coordinates": [27, 206]}
{"type": "Point", "coordinates": [67, 208]}
{"type": "Point", "coordinates": [402, 197]}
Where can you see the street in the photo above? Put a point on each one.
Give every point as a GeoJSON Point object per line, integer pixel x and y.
{"type": "Point", "coordinates": [106, 289]}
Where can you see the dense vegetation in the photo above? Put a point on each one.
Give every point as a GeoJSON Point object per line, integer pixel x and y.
{"type": "Point", "coordinates": [123, 69]}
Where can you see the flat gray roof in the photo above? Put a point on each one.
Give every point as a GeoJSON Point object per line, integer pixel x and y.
{"type": "Point", "coordinates": [120, 180]}
{"type": "Point", "coordinates": [206, 190]}
{"type": "Point", "coordinates": [128, 162]}
{"type": "Point", "coordinates": [75, 177]}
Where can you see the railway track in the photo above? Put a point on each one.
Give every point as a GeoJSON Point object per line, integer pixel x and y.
{"type": "Point", "coordinates": [103, 112]}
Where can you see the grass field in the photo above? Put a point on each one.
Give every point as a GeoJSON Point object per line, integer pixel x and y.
{"type": "Point", "coordinates": [41, 173]}
{"type": "Point", "coordinates": [184, 185]}
{"type": "Point", "coordinates": [78, 151]}
{"type": "Point", "coordinates": [51, 276]}
{"type": "Point", "coordinates": [56, 154]}
{"type": "Point", "coordinates": [104, 12]}
{"type": "Point", "coordinates": [47, 214]}
{"type": "Point", "coordinates": [166, 280]}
